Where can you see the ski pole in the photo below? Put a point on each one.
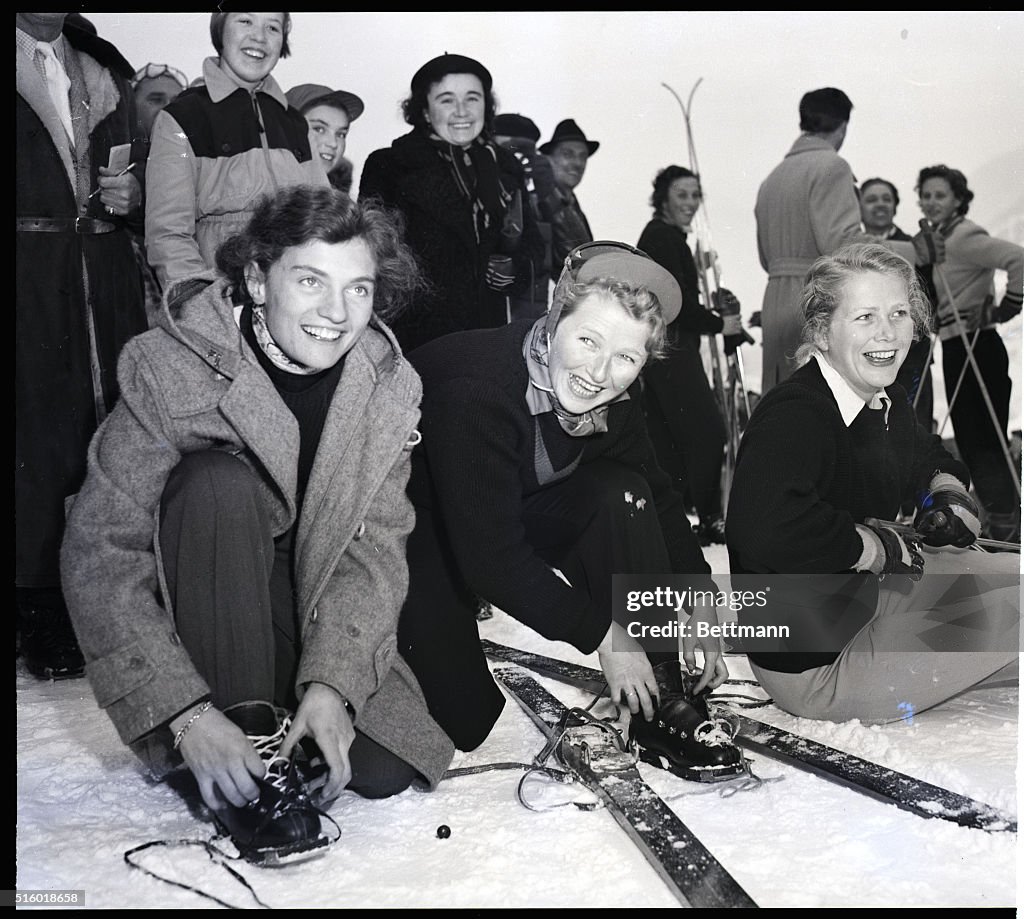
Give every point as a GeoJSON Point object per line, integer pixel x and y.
{"type": "Point", "coordinates": [925, 370]}
{"type": "Point", "coordinates": [907, 530]}
{"type": "Point", "coordinates": [956, 389]}
{"type": "Point", "coordinates": [981, 380]}
{"type": "Point", "coordinates": [706, 259]}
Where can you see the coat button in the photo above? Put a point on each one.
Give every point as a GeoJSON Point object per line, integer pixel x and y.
{"type": "Point", "coordinates": [360, 530]}
{"type": "Point", "coordinates": [175, 638]}
{"type": "Point", "coordinates": [136, 663]}
{"type": "Point", "coordinates": [315, 614]}
{"type": "Point", "coordinates": [225, 148]}
{"type": "Point", "coordinates": [353, 630]}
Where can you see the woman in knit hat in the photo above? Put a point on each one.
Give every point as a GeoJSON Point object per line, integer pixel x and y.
{"type": "Point", "coordinates": [462, 198]}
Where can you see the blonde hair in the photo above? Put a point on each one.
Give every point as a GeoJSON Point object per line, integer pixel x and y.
{"type": "Point", "coordinates": [638, 302]}
{"type": "Point", "coordinates": [824, 288]}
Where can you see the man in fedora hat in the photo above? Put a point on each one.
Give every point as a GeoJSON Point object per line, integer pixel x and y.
{"type": "Point", "coordinates": [569, 149]}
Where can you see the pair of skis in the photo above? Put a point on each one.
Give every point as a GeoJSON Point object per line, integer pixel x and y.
{"type": "Point", "coordinates": [683, 862]}
{"type": "Point", "coordinates": [730, 385]}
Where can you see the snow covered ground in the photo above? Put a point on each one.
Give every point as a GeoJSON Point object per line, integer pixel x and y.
{"type": "Point", "coordinates": [798, 842]}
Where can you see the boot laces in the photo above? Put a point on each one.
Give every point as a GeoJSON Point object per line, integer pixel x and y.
{"type": "Point", "coordinates": [715, 732]}
{"type": "Point", "coordinates": [268, 746]}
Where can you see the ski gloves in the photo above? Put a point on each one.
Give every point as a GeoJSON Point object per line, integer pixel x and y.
{"type": "Point", "coordinates": [500, 274]}
{"type": "Point", "coordinates": [948, 517]}
{"type": "Point", "coordinates": [888, 550]}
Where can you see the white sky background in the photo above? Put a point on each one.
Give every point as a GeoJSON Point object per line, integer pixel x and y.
{"type": "Point", "coordinates": [927, 88]}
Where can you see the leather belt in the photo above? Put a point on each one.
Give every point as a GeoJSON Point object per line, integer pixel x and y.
{"type": "Point", "coordinates": [89, 226]}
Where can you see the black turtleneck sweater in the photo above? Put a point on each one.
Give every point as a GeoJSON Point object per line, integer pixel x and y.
{"type": "Point", "coordinates": [308, 397]}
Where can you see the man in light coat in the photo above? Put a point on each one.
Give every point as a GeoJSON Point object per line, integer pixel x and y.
{"type": "Point", "coordinates": [807, 207]}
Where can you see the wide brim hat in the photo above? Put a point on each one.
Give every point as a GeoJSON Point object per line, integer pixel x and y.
{"type": "Point", "coordinates": [512, 125]}
{"type": "Point", "coordinates": [619, 262]}
{"type": "Point", "coordinates": [306, 95]}
{"type": "Point", "coordinates": [433, 71]}
{"type": "Point", "coordinates": [569, 130]}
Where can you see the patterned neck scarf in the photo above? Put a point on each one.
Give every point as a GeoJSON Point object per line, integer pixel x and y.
{"type": "Point", "coordinates": [271, 348]}
{"type": "Point", "coordinates": [540, 394]}
{"type": "Point", "coordinates": [475, 170]}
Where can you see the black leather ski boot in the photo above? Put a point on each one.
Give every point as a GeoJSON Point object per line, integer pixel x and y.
{"type": "Point", "coordinates": [684, 737]}
{"type": "Point", "coordinates": [283, 825]}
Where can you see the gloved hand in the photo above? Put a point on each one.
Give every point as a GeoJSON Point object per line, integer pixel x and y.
{"type": "Point", "coordinates": [543, 175]}
{"type": "Point", "coordinates": [732, 326]}
{"type": "Point", "coordinates": [725, 302]}
{"type": "Point", "coordinates": [1008, 307]}
{"type": "Point", "coordinates": [929, 245]}
{"type": "Point", "coordinates": [948, 517]}
{"type": "Point", "coordinates": [501, 273]}
{"type": "Point", "coordinates": [728, 307]}
{"type": "Point", "coordinates": [902, 552]}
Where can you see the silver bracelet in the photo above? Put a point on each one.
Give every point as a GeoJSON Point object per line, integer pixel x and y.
{"type": "Point", "coordinates": [193, 718]}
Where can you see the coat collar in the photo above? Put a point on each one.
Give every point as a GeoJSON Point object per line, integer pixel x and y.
{"type": "Point", "coordinates": [32, 88]}
{"type": "Point", "coordinates": [102, 93]}
{"type": "Point", "coordinates": [220, 84]}
{"type": "Point", "coordinates": [807, 143]}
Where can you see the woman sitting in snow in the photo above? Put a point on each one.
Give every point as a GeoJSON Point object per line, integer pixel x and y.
{"type": "Point", "coordinates": [824, 466]}
{"type": "Point", "coordinates": [237, 552]}
{"type": "Point", "coordinates": [534, 484]}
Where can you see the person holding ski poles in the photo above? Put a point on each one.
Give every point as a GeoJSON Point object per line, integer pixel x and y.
{"type": "Point", "coordinates": [885, 620]}
{"type": "Point", "coordinates": [534, 485]}
{"type": "Point", "coordinates": [975, 364]}
{"type": "Point", "coordinates": [684, 420]}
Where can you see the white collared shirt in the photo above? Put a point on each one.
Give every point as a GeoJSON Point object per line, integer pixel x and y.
{"type": "Point", "coordinates": [850, 402]}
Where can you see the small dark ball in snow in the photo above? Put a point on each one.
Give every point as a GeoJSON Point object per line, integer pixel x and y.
{"type": "Point", "coordinates": [444, 831]}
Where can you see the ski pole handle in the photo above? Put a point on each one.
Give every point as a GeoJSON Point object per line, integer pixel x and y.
{"type": "Point", "coordinates": [906, 529]}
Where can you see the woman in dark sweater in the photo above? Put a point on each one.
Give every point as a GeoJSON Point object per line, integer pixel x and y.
{"type": "Point", "coordinates": [684, 420]}
{"type": "Point", "coordinates": [535, 483]}
{"type": "Point", "coordinates": [827, 458]}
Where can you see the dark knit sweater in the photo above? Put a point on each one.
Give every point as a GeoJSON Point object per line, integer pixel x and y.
{"type": "Point", "coordinates": [804, 480]}
{"type": "Point", "coordinates": [667, 245]}
{"type": "Point", "coordinates": [476, 464]}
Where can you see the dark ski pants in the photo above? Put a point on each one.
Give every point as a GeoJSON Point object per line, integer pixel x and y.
{"type": "Point", "coordinates": [686, 427]}
{"type": "Point", "coordinates": [581, 526]}
{"type": "Point", "coordinates": [977, 439]}
{"type": "Point", "coordinates": [233, 594]}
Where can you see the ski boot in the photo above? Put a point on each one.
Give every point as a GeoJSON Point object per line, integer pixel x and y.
{"type": "Point", "coordinates": [48, 642]}
{"type": "Point", "coordinates": [684, 737]}
{"type": "Point", "coordinates": [283, 825]}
